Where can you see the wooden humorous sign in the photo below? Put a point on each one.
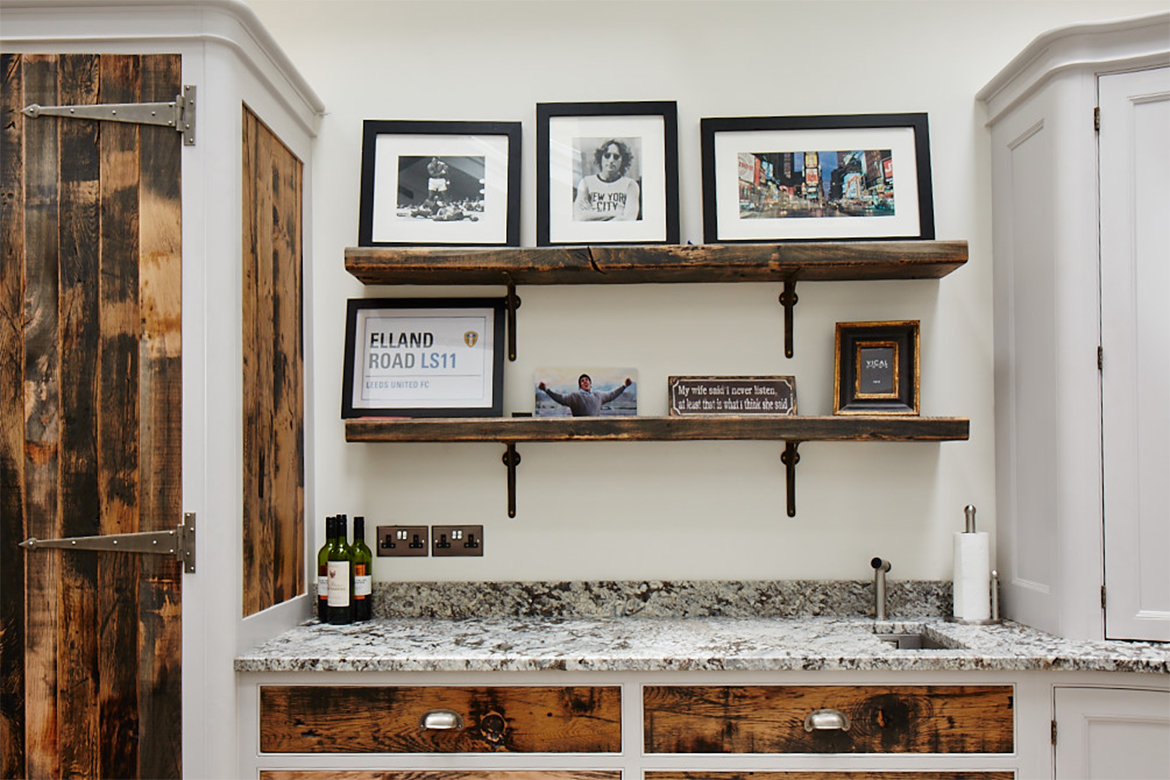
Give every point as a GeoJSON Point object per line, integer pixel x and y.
{"type": "Point", "coordinates": [732, 395]}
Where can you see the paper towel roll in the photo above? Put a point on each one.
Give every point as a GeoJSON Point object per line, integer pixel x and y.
{"type": "Point", "coordinates": [972, 591]}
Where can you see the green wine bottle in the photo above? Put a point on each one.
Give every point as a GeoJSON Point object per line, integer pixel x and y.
{"type": "Point", "coordinates": [340, 577]}
{"type": "Point", "coordinates": [323, 573]}
{"type": "Point", "coordinates": [362, 560]}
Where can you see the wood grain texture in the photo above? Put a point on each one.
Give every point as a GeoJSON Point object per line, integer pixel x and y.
{"type": "Point", "coordinates": [12, 561]}
{"type": "Point", "coordinates": [160, 379]}
{"type": "Point", "coordinates": [97, 675]}
{"type": "Point", "coordinates": [450, 774]}
{"type": "Point", "coordinates": [273, 370]}
{"type": "Point", "coordinates": [779, 428]}
{"type": "Point", "coordinates": [776, 262]}
{"type": "Point", "coordinates": [951, 774]}
{"type": "Point", "coordinates": [81, 247]}
{"type": "Point", "coordinates": [884, 719]}
{"type": "Point", "coordinates": [40, 416]}
{"type": "Point", "coordinates": [321, 719]}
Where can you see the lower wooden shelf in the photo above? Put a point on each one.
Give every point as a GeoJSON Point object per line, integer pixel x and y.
{"type": "Point", "coordinates": [793, 430]}
{"type": "Point", "coordinates": [759, 427]}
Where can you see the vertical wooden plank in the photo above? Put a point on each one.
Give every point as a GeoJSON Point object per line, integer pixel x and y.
{"type": "Point", "coordinates": [160, 435]}
{"type": "Point", "coordinates": [118, 425]}
{"type": "Point", "coordinates": [288, 483]}
{"type": "Point", "coordinates": [77, 641]}
{"type": "Point", "coordinates": [265, 248]}
{"type": "Point", "coordinates": [250, 525]}
{"type": "Point", "coordinates": [12, 558]}
{"type": "Point", "coordinates": [41, 424]}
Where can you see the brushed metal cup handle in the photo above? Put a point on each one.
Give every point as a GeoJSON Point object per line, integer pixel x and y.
{"type": "Point", "coordinates": [826, 720]}
{"type": "Point", "coordinates": [441, 720]}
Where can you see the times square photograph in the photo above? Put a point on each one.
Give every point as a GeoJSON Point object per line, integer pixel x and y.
{"type": "Point", "coordinates": [780, 185]}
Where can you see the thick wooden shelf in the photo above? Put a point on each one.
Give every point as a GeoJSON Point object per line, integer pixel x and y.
{"type": "Point", "coordinates": [791, 430]}
{"type": "Point", "coordinates": [548, 429]}
{"type": "Point", "coordinates": [655, 263]}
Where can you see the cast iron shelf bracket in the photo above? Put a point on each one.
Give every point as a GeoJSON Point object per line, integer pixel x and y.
{"type": "Point", "coordinates": [788, 300]}
{"type": "Point", "coordinates": [511, 304]}
{"type": "Point", "coordinates": [511, 460]}
{"type": "Point", "coordinates": [790, 457]}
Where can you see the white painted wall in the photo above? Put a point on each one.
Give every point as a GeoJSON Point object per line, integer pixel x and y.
{"type": "Point", "coordinates": [673, 510]}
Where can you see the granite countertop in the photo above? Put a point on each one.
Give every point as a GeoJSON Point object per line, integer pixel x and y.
{"type": "Point", "coordinates": [634, 635]}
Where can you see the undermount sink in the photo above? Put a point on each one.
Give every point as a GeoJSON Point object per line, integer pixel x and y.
{"type": "Point", "coordinates": [918, 641]}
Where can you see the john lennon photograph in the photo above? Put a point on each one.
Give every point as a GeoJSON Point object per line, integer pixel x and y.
{"type": "Point", "coordinates": [608, 172]}
{"type": "Point", "coordinates": [592, 392]}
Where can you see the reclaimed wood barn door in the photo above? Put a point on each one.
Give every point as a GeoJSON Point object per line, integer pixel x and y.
{"type": "Point", "coordinates": [90, 421]}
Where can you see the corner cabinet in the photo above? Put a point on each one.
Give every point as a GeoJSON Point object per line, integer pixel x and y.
{"type": "Point", "coordinates": [639, 264]}
{"type": "Point", "coordinates": [1079, 131]}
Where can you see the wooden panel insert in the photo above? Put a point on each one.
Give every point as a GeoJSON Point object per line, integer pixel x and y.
{"type": "Point", "coordinates": [369, 719]}
{"type": "Point", "coordinates": [953, 774]}
{"type": "Point", "coordinates": [884, 719]}
{"type": "Point", "coordinates": [453, 774]}
{"type": "Point", "coordinates": [273, 372]}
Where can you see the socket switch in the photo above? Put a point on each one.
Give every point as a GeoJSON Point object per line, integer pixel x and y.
{"type": "Point", "coordinates": [402, 540]}
{"type": "Point", "coordinates": [456, 540]}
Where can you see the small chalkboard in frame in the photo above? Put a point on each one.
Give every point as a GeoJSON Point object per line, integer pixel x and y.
{"type": "Point", "coordinates": [876, 368]}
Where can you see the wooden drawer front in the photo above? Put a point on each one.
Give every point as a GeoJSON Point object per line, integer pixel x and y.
{"type": "Point", "coordinates": [960, 774]}
{"type": "Point", "coordinates": [469, 774]}
{"type": "Point", "coordinates": [883, 719]}
{"type": "Point", "coordinates": [369, 719]}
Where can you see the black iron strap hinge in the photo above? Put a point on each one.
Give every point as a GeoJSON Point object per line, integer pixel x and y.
{"type": "Point", "coordinates": [178, 542]}
{"type": "Point", "coordinates": [178, 113]}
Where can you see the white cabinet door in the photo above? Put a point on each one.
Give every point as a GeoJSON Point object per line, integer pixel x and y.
{"type": "Point", "coordinates": [1135, 335]}
{"type": "Point", "coordinates": [1106, 733]}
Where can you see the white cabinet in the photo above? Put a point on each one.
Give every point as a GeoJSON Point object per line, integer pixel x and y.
{"type": "Point", "coordinates": [1112, 733]}
{"type": "Point", "coordinates": [1048, 290]}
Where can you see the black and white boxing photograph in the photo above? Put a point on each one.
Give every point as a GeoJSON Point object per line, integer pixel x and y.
{"type": "Point", "coordinates": [443, 189]}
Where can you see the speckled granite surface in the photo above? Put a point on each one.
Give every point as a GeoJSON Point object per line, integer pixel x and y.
{"type": "Point", "coordinates": [751, 626]}
{"type": "Point", "coordinates": [676, 599]}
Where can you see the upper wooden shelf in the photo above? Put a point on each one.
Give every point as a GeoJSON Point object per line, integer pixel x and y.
{"type": "Point", "coordinates": [796, 428]}
{"type": "Point", "coordinates": [653, 263]}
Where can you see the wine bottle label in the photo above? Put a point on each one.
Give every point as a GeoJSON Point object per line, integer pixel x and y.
{"type": "Point", "coordinates": [362, 585]}
{"type": "Point", "coordinates": [323, 587]}
{"type": "Point", "coordinates": [339, 583]}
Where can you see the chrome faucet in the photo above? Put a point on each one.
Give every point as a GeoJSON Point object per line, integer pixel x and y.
{"type": "Point", "coordinates": [880, 568]}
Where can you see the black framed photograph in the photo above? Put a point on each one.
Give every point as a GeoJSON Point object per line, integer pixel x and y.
{"type": "Point", "coordinates": [440, 183]}
{"type": "Point", "coordinates": [876, 368]}
{"type": "Point", "coordinates": [423, 357]}
{"type": "Point", "coordinates": [816, 178]}
{"type": "Point", "coordinates": [607, 173]}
